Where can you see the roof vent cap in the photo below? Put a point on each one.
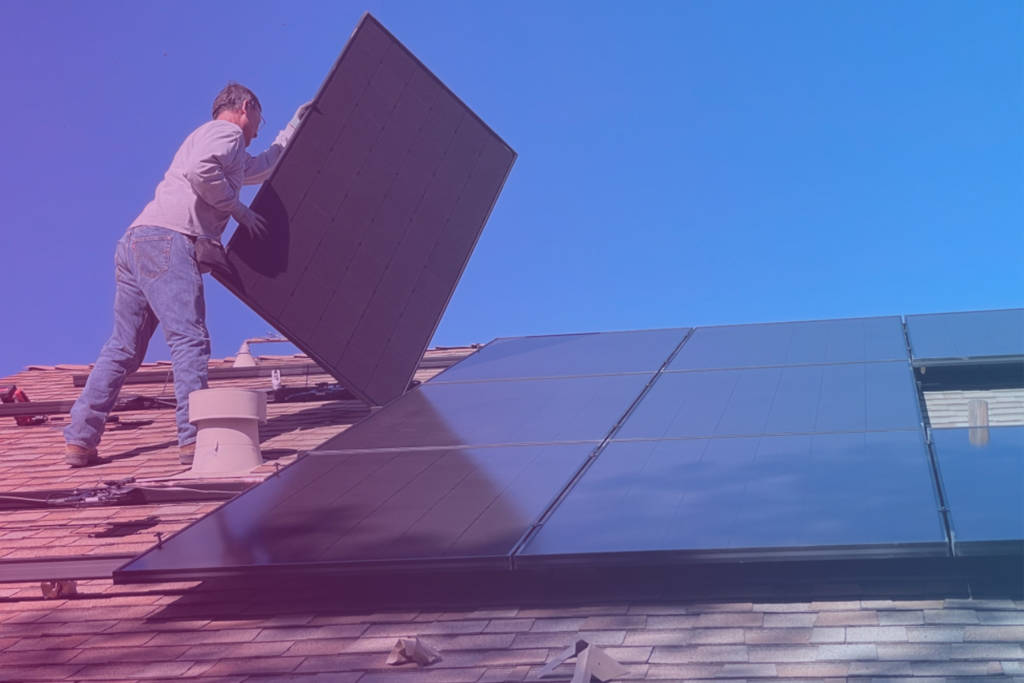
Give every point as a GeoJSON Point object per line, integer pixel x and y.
{"type": "Point", "coordinates": [244, 359]}
{"type": "Point", "coordinates": [228, 440]}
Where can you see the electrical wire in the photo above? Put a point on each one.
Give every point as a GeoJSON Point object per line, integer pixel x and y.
{"type": "Point", "coordinates": [114, 489]}
{"type": "Point", "coordinates": [180, 488]}
{"type": "Point", "coordinates": [87, 525]}
{"type": "Point", "coordinates": [24, 498]}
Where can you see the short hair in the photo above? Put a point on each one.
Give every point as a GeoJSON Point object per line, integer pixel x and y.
{"type": "Point", "coordinates": [232, 98]}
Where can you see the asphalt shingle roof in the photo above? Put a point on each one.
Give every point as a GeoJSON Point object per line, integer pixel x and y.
{"type": "Point", "coordinates": [341, 630]}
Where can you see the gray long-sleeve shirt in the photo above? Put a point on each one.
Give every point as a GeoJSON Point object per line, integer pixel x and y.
{"type": "Point", "coordinates": [200, 189]}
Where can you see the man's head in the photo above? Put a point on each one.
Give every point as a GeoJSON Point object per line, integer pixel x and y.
{"type": "Point", "coordinates": [238, 104]}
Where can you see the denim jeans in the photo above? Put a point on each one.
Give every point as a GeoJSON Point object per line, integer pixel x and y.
{"type": "Point", "coordinates": [158, 281]}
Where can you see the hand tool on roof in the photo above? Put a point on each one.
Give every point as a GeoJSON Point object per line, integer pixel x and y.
{"type": "Point", "coordinates": [39, 409]}
{"type": "Point", "coordinates": [12, 394]}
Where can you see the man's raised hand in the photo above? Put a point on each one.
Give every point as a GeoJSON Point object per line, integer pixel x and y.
{"type": "Point", "coordinates": [300, 113]}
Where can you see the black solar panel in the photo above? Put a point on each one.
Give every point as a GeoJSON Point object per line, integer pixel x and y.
{"type": "Point", "coordinates": [822, 341]}
{"type": "Point", "coordinates": [983, 478]}
{"type": "Point", "coordinates": [828, 495]}
{"type": "Point", "coordinates": [567, 355]}
{"type": "Point", "coordinates": [519, 411]}
{"type": "Point", "coordinates": [374, 208]}
{"type": "Point", "coordinates": [576, 448]}
{"type": "Point", "coordinates": [781, 400]}
{"type": "Point", "coordinates": [450, 508]}
{"type": "Point", "coordinates": [971, 334]}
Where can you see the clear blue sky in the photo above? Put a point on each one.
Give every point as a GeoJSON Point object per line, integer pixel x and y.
{"type": "Point", "coordinates": [680, 163]}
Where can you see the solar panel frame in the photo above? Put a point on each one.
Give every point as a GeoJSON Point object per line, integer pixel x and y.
{"type": "Point", "coordinates": [365, 253]}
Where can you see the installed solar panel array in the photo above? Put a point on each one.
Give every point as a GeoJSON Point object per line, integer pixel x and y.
{"type": "Point", "coordinates": [452, 474]}
{"type": "Point", "coordinates": [763, 440]}
{"type": "Point", "coordinates": [796, 440]}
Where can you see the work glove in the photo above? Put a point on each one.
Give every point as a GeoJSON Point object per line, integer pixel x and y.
{"type": "Point", "coordinates": [299, 114]}
{"type": "Point", "coordinates": [210, 255]}
{"type": "Point", "coordinates": [255, 224]}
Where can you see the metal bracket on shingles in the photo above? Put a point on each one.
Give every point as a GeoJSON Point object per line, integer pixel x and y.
{"type": "Point", "coordinates": [413, 650]}
{"type": "Point", "coordinates": [591, 662]}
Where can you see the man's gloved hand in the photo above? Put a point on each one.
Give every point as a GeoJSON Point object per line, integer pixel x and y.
{"type": "Point", "coordinates": [210, 256]}
{"type": "Point", "coordinates": [300, 113]}
{"type": "Point", "coordinates": [252, 221]}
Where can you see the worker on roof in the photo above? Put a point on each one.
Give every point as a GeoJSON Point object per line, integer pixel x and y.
{"type": "Point", "coordinates": [158, 273]}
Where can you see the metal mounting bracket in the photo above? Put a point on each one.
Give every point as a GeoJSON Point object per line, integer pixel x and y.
{"type": "Point", "coordinates": [591, 662]}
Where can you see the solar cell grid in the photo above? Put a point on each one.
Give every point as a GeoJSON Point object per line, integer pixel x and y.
{"type": "Point", "coordinates": [509, 412]}
{"type": "Point", "coordinates": [567, 355]}
{"type": "Point", "coordinates": [966, 335]}
{"type": "Point", "coordinates": [455, 507]}
{"type": "Point", "coordinates": [983, 478]}
{"type": "Point", "coordinates": [795, 460]}
{"type": "Point", "coordinates": [823, 341]}
{"type": "Point", "coordinates": [833, 494]}
{"type": "Point", "coordinates": [780, 400]}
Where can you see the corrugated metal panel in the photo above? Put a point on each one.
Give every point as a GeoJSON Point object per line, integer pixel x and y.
{"type": "Point", "coordinates": [948, 409]}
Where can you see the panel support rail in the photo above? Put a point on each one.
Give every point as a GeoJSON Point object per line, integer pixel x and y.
{"type": "Point", "coordinates": [933, 462]}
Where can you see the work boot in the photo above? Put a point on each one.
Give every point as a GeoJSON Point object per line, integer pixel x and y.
{"type": "Point", "coordinates": [80, 456]}
{"type": "Point", "coordinates": [187, 453]}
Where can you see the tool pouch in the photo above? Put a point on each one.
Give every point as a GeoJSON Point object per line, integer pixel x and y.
{"type": "Point", "coordinates": [211, 257]}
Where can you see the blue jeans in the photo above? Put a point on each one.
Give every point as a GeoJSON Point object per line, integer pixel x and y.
{"type": "Point", "coordinates": [158, 281]}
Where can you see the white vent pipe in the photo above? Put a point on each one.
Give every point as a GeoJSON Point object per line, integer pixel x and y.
{"type": "Point", "coordinates": [228, 440]}
{"type": "Point", "coordinates": [977, 421]}
{"type": "Point", "coordinates": [244, 359]}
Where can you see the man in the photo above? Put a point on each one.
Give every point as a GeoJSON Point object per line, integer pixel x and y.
{"type": "Point", "coordinates": [157, 273]}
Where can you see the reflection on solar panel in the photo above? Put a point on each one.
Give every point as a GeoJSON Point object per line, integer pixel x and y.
{"type": "Point", "coordinates": [452, 508]}
{"type": "Point", "coordinates": [984, 483]}
{"type": "Point", "coordinates": [785, 400]}
{"type": "Point", "coordinates": [822, 341]}
{"type": "Point", "coordinates": [971, 334]}
{"type": "Point", "coordinates": [586, 449]}
{"type": "Point", "coordinates": [568, 355]}
{"type": "Point", "coordinates": [708, 498]}
{"type": "Point", "coordinates": [374, 208]}
{"type": "Point", "coordinates": [520, 411]}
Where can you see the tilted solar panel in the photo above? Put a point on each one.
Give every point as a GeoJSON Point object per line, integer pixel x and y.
{"type": "Point", "coordinates": [374, 210]}
{"type": "Point", "coordinates": [983, 478]}
{"type": "Point", "coordinates": [966, 335]}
